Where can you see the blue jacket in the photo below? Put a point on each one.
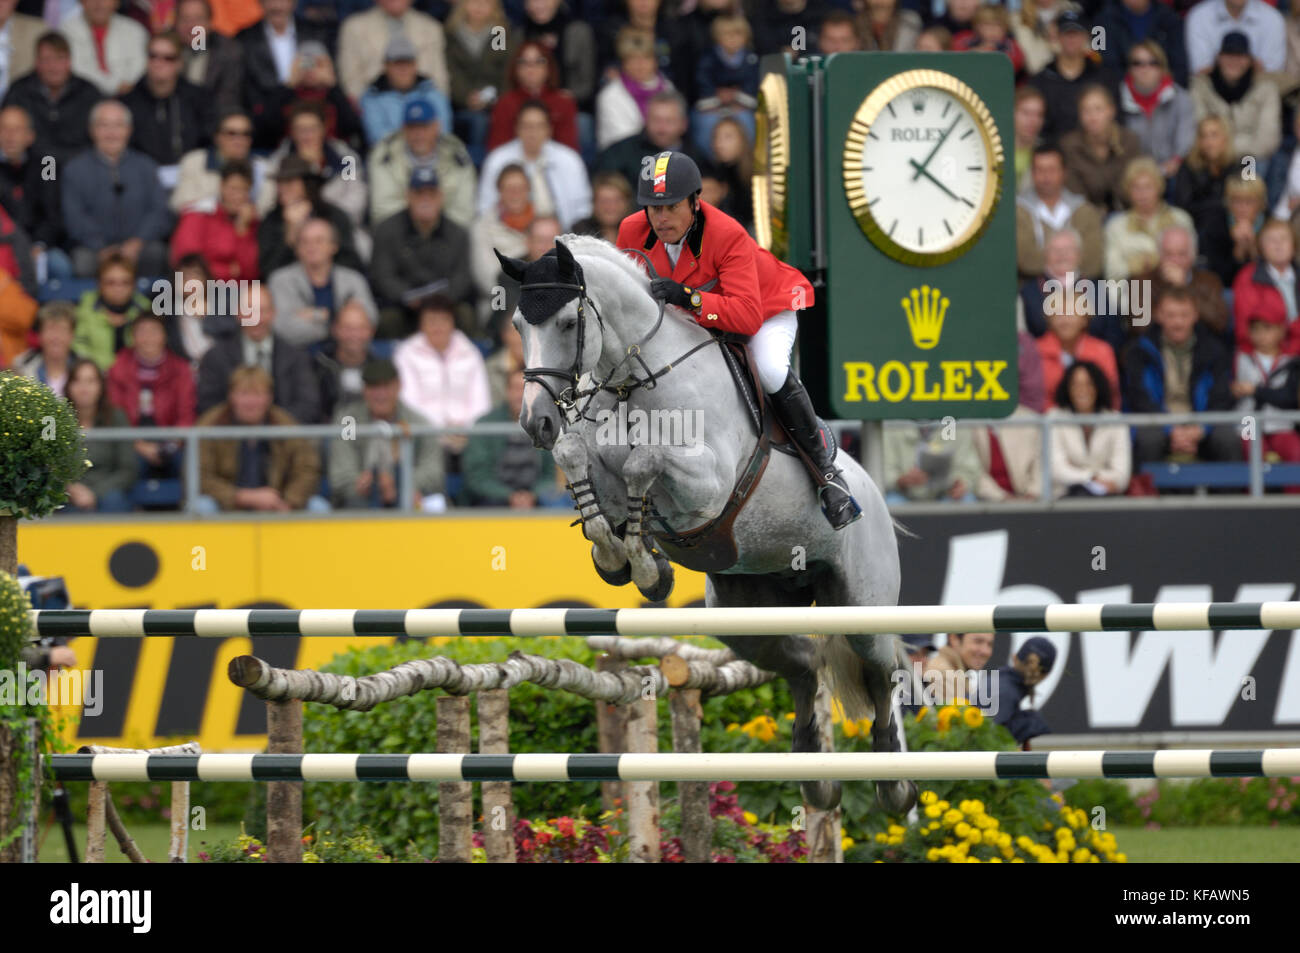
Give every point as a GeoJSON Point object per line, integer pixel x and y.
{"type": "Point", "coordinates": [1144, 375]}
{"type": "Point", "coordinates": [382, 107]}
{"type": "Point", "coordinates": [1160, 23]}
{"type": "Point", "coordinates": [101, 207]}
{"type": "Point", "coordinates": [713, 73]}
{"type": "Point", "coordinates": [1022, 723]}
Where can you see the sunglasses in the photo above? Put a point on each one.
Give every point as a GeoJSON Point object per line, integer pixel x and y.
{"type": "Point", "coordinates": [1143, 63]}
{"type": "Point", "coordinates": [169, 57]}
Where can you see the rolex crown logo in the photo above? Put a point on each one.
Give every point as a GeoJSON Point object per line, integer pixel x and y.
{"type": "Point", "coordinates": [918, 101]}
{"type": "Point", "coordinates": [925, 312]}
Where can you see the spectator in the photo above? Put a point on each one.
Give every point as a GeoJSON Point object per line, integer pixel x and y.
{"type": "Point", "coordinates": [112, 202]}
{"type": "Point", "coordinates": [504, 231]}
{"type": "Point", "coordinates": [1200, 182]}
{"type": "Point", "coordinates": [310, 292]}
{"type": "Point", "coordinates": [113, 468]}
{"type": "Point", "coordinates": [1015, 682]}
{"type": "Point", "coordinates": [1289, 199]}
{"type": "Point", "coordinates": [1132, 238]}
{"type": "Point", "coordinates": [991, 33]}
{"type": "Point", "coordinates": [534, 75]}
{"type": "Point", "coordinates": [1174, 369]}
{"type": "Point", "coordinates": [1267, 377]}
{"type": "Point", "coordinates": [571, 44]}
{"type": "Point", "coordinates": [726, 80]}
{"type": "Point", "coordinates": [51, 361]}
{"type": "Point", "coordinates": [1098, 151]}
{"type": "Point", "coordinates": [934, 39]}
{"type": "Point", "coordinates": [155, 388]}
{"type": "Point", "coordinates": [542, 233]}
{"type": "Point", "coordinates": [217, 65]}
{"type": "Point", "coordinates": [1288, 80]}
{"type": "Point", "coordinates": [1049, 207]}
{"type": "Point", "coordinates": [336, 166]}
{"type": "Point", "coordinates": [364, 473]}
{"type": "Point", "coordinates": [621, 102]}
{"type": "Point", "coordinates": [1129, 23]}
{"type": "Point", "coordinates": [1029, 112]}
{"type": "Point", "coordinates": [957, 18]}
{"type": "Point", "coordinates": [1067, 341]}
{"type": "Point", "coordinates": [443, 375]}
{"type": "Point", "coordinates": [106, 314]}
{"type": "Point", "coordinates": [340, 359]}
{"type": "Point", "coordinates": [695, 38]}
{"type": "Point", "coordinates": [1157, 109]}
{"type": "Point", "coordinates": [20, 33]}
{"type": "Point", "coordinates": [1236, 90]}
{"type": "Point", "coordinates": [648, 16]}
{"type": "Point", "coordinates": [418, 251]}
{"type": "Point", "coordinates": [298, 198]}
{"type": "Point", "coordinates": [557, 173]}
{"type": "Point", "coordinates": [1212, 20]}
{"type": "Point", "coordinates": [293, 376]}
{"type": "Point", "coordinates": [313, 81]}
{"type": "Point", "coordinates": [31, 197]}
{"type": "Point", "coordinates": [256, 474]}
{"type": "Point", "coordinates": [1029, 365]}
{"type": "Point", "coordinates": [507, 471]}
{"type": "Point", "coordinates": [364, 37]}
{"type": "Point", "coordinates": [107, 50]}
{"type": "Point", "coordinates": [1034, 30]}
{"type": "Point", "coordinates": [665, 130]}
{"type": "Point", "coordinates": [779, 23]}
{"type": "Point", "coordinates": [611, 202]}
{"type": "Point", "coordinates": [927, 463]}
{"type": "Point", "coordinates": [1088, 460]}
{"type": "Point", "coordinates": [1010, 460]}
{"type": "Point", "coordinates": [1062, 260]}
{"type": "Point", "coordinates": [1267, 287]}
{"type": "Point", "coordinates": [383, 104]}
{"type": "Point", "coordinates": [1073, 70]}
{"type": "Point", "coordinates": [421, 143]}
{"type": "Point", "coordinates": [1234, 242]}
{"type": "Point", "coordinates": [883, 25]}
{"type": "Point", "coordinates": [205, 312]}
{"type": "Point", "coordinates": [198, 186]}
{"type": "Point", "coordinates": [733, 160]}
{"type": "Point", "coordinates": [505, 360]}
{"type": "Point", "coordinates": [227, 235]}
{"type": "Point", "coordinates": [273, 66]}
{"type": "Point", "coordinates": [477, 62]}
{"type": "Point", "coordinates": [961, 654]}
{"type": "Point", "coordinates": [230, 17]}
{"type": "Point", "coordinates": [170, 116]}
{"type": "Point", "coordinates": [58, 102]}
{"type": "Point", "coordinates": [1177, 267]}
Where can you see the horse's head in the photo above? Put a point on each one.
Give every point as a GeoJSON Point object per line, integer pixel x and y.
{"type": "Point", "coordinates": [561, 334]}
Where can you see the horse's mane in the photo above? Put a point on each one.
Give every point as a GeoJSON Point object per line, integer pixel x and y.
{"type": "Point", "coordinates": [599, 248]}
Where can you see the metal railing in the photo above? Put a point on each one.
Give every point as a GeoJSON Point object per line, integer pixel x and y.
{"type": "Point", "coordinates": [191, 437]}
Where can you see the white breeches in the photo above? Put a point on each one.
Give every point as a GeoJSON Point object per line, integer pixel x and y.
{"type": "Point", "coordinates": [771, 348]}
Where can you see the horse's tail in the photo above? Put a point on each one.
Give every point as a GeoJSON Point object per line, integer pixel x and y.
{"type": "Point", "coordinates": [902, 530]}
{"type": "Point", "coordinates": [846, 672]}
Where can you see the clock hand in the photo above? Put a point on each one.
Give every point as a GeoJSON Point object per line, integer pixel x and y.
{"type": "Point", "coordinates": [937, 145]}
{"type": "Point", "coordinates": [920, 170]}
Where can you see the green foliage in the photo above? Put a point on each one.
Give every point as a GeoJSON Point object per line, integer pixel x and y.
{"type": "Point", "coordinates": [41, 447]}
{"type": "Point", "coordinates": [148, 802]}
{"type": "Point", "coordinates": [15, 625]}
{"type": "Point", "coordinates": [329, 848]}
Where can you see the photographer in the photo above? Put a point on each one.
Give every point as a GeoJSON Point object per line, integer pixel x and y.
{"type": "Point", "coordinates": [1017, 681]}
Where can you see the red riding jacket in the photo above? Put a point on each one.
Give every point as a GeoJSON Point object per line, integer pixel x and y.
{"type": "Point", "coordinates": [750, 284]}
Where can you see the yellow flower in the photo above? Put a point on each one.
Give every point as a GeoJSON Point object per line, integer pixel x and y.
{"type": "Point", "coordinates": [925, 710]}
{"type": "Point", "coordinates": [864, 725]}
{"type": "Point", "coordinates": [750, 817]}
{"type": "Point", "coordinates": [943, 805]}
{"type": "Point", "coordinates": [896, 829]}
{"type": "Point", "coordinates": [850, 729]}
{"type": "Point", "coordinates": [932, 810]}
{"type": "Point", "coordinates": [962, 830]}
{"type": "Point", "coordinates": [837, 711]}
{"type": "Point", "coordinates": [1017, 860]}
{"type": "Point", "coordinates": [789, 716]}
{"type": "Point", "coordinates": [951, 817]}
{"type": "Point", "coordinates": [846, 843]}
{"type": "Point", "coordinates": [1121, 858]}
{"type": "Point", "coordinates": [995, 860]}
{"type": "Point", "coordinates": [973, 717]}
{"type": "Point", "coordinates": [946, 714]}
{"type": "Point", "coordinates": [896, 839]}
{"type": "Point", "coordinates": [733, 727]}
{"type": "Point", "coordinates": [928, 797]}
{"type": "Point", "coordinates": [1063, 832]}
{"type": "Point", "coordinates": [932, 854]}
{"type": "Point", "coordinates": [881, 837]}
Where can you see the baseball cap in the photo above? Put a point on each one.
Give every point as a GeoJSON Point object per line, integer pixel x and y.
{"type": "Point", "coordinates": [295, 167]}
{"type": "Point", "coordinates": [378, 372]}
{"type": "Point", "coordinates": [418, 111]}
{"type": "Point", "coordinates": [1070, 22]}
{"type": "Point", "coordinates": [423, 177]}
{"type": "Point", "coordinates": [399, 48]}
{"type": "Point", "coordinates": [1235, 42]}
{"type": "Point", "coordinates": [918, 643]}
{"type": "Point", "coordinates": [1041, 647]}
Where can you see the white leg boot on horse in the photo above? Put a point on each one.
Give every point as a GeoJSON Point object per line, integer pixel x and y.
{"type": "Point", "coordinates": [607, 551]}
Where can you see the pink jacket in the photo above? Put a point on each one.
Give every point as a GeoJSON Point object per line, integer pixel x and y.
{"type": "Point", "coordinates": [450, 389]}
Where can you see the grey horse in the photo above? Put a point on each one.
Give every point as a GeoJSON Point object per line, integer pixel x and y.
{"type": "Point", "coordinates": [594, 338]}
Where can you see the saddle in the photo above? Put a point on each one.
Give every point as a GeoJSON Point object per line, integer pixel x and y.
{"type": "Point", "coordinates": [712, 547]}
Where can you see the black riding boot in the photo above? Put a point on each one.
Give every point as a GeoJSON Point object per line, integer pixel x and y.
{"type": "Point", "coordinates": [817, 444]}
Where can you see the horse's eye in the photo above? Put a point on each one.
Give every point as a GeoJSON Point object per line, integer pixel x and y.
{"type": "Point", "coordinates": [567, 324]}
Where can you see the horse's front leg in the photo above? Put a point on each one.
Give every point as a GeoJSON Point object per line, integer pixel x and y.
{"type": "Point", "coordinates": [607, 551]}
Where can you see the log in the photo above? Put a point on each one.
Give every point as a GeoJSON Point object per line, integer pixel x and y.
{"type": "Point", "coordinates": [178, 851]}
{"type": "Point", "coordinates": [692, 796]}
{"type": "Point", "coordinates": [611, 730]}
{"type": "Point", "coordinates": [284, 798]}
{"type": "Point", "coordinates": [656, 647]}
{"type": "Point", "coordinates": [643, 796]}
{"type": "Point", "coordinates": [712, 679]}
{"type": "Point", "coordinates": [119, 830]}
{"type": "Point", "coordinates": [823, 827]}
{"type": "Point", "coordinates": [498, 807]}
{"type": "Point", "coordinates": [455, 798]}
{"type": "Point", "coordinates": [95, 821]}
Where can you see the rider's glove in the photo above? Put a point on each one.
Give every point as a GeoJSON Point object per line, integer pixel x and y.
{"type": "Point", "coordinates": [673, 292]}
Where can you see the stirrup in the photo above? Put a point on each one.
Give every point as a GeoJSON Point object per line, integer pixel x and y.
{"type": "Point", "coordinates": [848, 511]}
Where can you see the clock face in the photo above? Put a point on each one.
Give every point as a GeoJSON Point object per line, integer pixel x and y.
{"type": "Point", "coordinates": [923, 167]}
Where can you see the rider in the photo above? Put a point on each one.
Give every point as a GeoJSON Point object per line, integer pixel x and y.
{"type": "Point", "coordinates": [724, 280]}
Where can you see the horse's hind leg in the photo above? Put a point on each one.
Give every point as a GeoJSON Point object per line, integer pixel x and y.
{"type": "Point", "coordinates": [880, 661]}
{"type": "Point", "coordinates": [570, 453]}
{"type": "Point", "coordinates": [793, 657]}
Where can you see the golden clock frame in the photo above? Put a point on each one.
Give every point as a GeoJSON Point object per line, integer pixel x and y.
{"type": "Point", "coordinates": [855, 144]}
{"type": "Point", "coordinates": [771, 163]}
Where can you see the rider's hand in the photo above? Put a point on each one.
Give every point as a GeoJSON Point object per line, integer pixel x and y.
{"type": "Point", "coordinates": [670, 292]}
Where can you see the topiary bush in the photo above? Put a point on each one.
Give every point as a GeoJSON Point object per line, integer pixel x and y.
{"type": "Point", "coordinates": [42, 448]}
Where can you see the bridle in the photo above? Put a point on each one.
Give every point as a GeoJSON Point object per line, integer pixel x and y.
{"type": "Point", "coordinates": [567, 399]}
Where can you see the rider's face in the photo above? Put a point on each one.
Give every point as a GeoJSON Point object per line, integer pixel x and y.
{"type": "Point", "coordinates": [671, 222]}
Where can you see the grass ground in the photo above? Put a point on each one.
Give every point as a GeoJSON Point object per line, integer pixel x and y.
{"type": "Point", "coordinates": [1169, 845]}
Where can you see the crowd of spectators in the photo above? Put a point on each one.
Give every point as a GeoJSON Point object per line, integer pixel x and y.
{"type": "Point", "coordinates": [360, 160]}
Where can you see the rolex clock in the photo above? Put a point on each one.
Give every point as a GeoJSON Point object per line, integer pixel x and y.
{"type": "Point", "coordinates": [923, 166]}
{"type": "Point", "coordinates": [771, 161]}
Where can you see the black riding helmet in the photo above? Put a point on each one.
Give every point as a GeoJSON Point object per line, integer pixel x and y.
{"type": "Point", "coordinates": [667, 178]}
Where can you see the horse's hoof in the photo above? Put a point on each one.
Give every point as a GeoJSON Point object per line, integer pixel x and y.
{"type": "Point", "coordinates": [821, 795]}
{"type": "Point", "coordinates": [616, 577]}
{"type": "Point", "coordinates": [664, 587]}
{"type": "Point", "coordinates": [896, 797]}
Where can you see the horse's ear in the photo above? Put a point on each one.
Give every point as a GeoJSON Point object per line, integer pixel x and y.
{"type": "Point", "coordinates": [568, 264]}
{"type": "Point", "coordinates": [513, 267]}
